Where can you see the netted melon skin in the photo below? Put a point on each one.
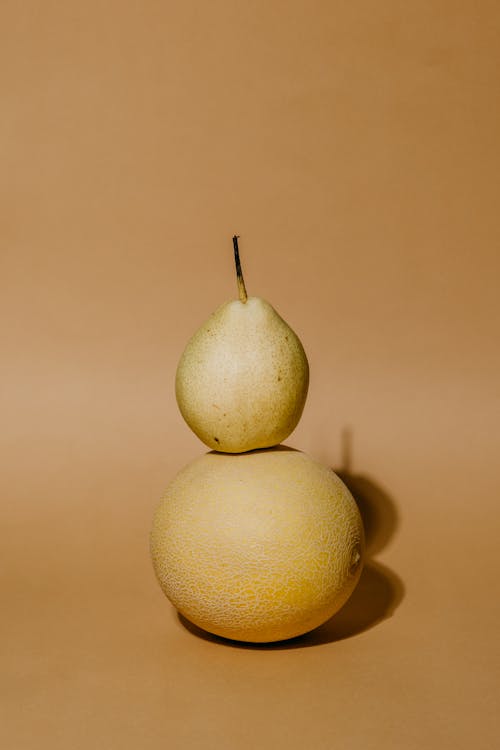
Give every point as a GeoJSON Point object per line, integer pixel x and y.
{"type": "Point", "coordinates": [258, 547]}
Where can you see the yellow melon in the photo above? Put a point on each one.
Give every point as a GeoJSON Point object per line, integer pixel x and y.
{"type": "Point", "coordinates": [259, 546]}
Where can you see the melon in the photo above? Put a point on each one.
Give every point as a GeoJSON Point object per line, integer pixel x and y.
{"type": "Point", "coordinates": [260, 546]}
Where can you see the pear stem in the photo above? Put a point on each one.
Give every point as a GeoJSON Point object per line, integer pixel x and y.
{"type": "Point", "coordinates": [239, 275]}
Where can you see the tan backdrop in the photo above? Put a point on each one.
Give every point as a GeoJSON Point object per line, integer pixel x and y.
{"type": "Point", "coordinates": [355, 149]}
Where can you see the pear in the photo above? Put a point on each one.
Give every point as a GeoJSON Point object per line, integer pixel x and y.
{"type": "Point", "coordinates": [257, 547]}
{"type": "Point", "coordinates": [242, 380]}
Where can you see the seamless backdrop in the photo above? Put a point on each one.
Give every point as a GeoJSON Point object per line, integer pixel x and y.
{"type": "Point", "coordinates": [354, 148]}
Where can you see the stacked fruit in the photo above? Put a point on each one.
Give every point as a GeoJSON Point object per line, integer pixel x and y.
{"type": "Point", "coordinates": [253, 541]}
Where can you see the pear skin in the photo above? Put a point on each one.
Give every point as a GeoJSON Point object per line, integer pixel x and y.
{"type": "Point", "coordinates": [242, 380]}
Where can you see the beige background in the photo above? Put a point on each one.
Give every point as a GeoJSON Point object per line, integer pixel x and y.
{"type": "Point", "coordinates": [355, 149]}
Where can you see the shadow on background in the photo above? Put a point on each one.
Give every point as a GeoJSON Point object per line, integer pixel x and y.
{"type": "Point", "coordinates": [379, 591]}
{"type": "Point", "coordinates": [378, 511]}
{"type": "Point", "coordinates": [379, 514]}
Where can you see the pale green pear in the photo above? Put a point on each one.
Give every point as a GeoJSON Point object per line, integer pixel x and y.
{"type": "Point", "coordinates": [242, 380]}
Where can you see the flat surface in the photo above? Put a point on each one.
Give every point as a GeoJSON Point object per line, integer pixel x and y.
{"type": "Point", "coordinates": [354, 147]}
